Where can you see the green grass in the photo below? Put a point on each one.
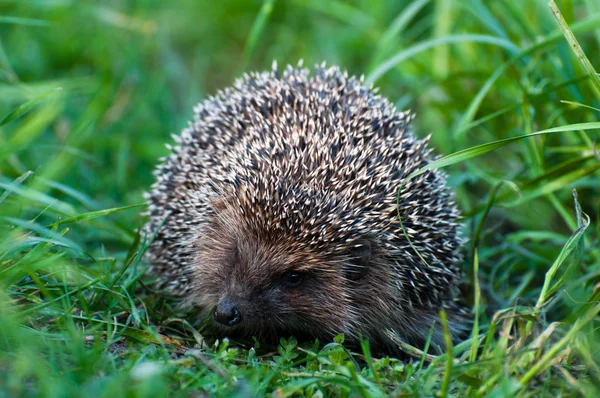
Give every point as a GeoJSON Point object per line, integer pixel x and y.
{"type": "Point", "coordinates": [89, 92]}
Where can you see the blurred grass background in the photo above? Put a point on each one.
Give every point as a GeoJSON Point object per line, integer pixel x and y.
{"type": "Point", "coordinates": [90, 91]}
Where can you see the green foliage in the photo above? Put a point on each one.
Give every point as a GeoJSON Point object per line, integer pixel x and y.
{"type": "Point", "coordinates": [89, 92]}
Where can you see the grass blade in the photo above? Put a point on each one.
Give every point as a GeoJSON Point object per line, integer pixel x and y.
{"type": "Point", "coordinates": [23, 21]}
{"type": "Point", "coordinates": [396, 27]}
{"type": "Point", "coordinates": [479, 150]}
{"type": "Point", "coordinates": [576, 47]}
{"type": "Point", "coordinates": [259, 26]}
{"type": "Point", "coordinates": [572, 244]}
{"type": "Point", "coordinates": [48, 303]}
{"type": "Point", "coordinates": [95, 214]}
{"type": "Point", "coordinates": [26, 107]}
{"type": "Point", "coordinates": [477, 294]}
{"type": "Point", "coordinates": [402, 56]}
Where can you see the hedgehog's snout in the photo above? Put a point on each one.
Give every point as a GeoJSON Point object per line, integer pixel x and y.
{"type": "Point", "coordinates": [227, 313]}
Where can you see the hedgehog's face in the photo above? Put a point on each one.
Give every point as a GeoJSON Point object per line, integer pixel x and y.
{"type": "Point", "coordinates": [257, 289]}
{"type": "Point", "coordinates": [263, 285]}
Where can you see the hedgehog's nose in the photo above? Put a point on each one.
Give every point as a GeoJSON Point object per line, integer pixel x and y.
{"type": "Point", "coordinates": [227, 313]}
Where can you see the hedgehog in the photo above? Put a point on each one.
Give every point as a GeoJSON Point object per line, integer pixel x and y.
{"type": "Point", "coordinates": [285, 208]}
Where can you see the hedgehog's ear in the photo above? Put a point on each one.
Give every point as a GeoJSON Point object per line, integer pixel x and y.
{"type": "Point", "coordinates": [360, 256]}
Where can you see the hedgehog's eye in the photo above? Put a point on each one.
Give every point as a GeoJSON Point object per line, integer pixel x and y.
{"type": "Point", "coordinates": [360, 257]}
{"type": "Point", "coordinates": [294, 278]}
